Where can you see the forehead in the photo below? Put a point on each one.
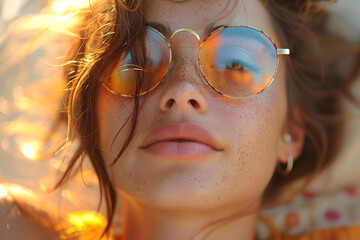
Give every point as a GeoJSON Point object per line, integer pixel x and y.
{"type": "Point", "coordinates": [198, 15]}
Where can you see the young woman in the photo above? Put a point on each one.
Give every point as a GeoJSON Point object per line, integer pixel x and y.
{"type": "Point", "coordinates": [198, 114]}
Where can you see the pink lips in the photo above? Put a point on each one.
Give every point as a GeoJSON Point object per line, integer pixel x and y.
{"type": "Point", "coordinates": [180, 141]}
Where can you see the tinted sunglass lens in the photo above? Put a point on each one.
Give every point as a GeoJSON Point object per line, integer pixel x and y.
{"type": "Point", "coordinates": [238, 61]}
{"type": "Point", "coordinates": [144, 72]}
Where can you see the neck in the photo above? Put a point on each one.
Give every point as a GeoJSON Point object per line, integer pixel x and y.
{"type": "Point", "coordinates": [146, 223]}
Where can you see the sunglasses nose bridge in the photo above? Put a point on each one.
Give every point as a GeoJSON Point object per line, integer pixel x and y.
{"type": "Point", "coordinates": [185, 30]}
{"type": "Point", "coordinates": [184, 68]}
{"type": "Point", "coordinates": [184, 48]}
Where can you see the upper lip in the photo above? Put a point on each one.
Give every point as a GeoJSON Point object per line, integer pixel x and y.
{"type": "Point", "coordinates": [181, 131]}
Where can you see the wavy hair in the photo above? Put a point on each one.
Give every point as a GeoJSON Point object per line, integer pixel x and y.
{"type": "Point", "coordinates": [316, 84]}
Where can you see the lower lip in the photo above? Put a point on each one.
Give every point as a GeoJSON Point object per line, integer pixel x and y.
{"type": "Point", "coordinates": [180, 150]}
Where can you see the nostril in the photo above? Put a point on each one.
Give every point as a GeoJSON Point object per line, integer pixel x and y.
{"type": "Point", "coordinates": [170, 103]}
{"type": "Point", "coordinates": [194, 103]}
{"type": "Point", "coordinates": [182, 97]}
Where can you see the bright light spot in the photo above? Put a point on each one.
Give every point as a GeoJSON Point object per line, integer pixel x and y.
{"type": "Point", "coordinates": [19, 191]}
{"type": "Point", "coordinates": [30, 150]}
{"type": "Point", "coordinates": [61, 6]}
{"type": "Point", "coordinates": [86, 220]}
{"type": "Point", "coordinates": [3, 192]}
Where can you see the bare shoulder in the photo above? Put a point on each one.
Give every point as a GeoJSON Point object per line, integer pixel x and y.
{"type": "Point", "coordinates": [20, 218]}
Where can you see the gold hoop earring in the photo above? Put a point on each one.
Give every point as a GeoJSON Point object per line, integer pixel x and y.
{"type": "Point", "coordinates": [289, 166]}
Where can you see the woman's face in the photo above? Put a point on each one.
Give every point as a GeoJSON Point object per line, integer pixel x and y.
{"type": "Point", "coordinates": [232, 173]}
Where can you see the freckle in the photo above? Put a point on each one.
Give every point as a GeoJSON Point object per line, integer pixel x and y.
{"type": "Point", "coordinates": [219, 197]}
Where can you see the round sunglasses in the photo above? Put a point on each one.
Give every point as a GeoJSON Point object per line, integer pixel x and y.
{"type": "Point", "coordinates": [236, 61]}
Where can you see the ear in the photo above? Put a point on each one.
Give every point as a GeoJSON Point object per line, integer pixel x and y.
{"type": "Point", "coordinates": [292, 140]}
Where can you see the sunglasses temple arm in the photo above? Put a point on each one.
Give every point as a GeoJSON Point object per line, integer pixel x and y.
{"type": "Point", "coordinates": [283, 51]}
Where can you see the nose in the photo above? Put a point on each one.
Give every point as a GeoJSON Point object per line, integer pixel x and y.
{"type": "Point", "coordinates": [183, 88]}
{"type": "Point", "coordinates": [183, 96]}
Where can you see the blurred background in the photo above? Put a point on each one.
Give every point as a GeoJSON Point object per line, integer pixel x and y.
{"type": "Point", "coordinates": [25, 115]}
{"type": "Point", "coordinates": [30, 98]}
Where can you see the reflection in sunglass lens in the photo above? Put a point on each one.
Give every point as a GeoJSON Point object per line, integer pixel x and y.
{"type": "Point", "coordinates": [238, 61]}
{"type": "Point", "coordinates": [144, 72]}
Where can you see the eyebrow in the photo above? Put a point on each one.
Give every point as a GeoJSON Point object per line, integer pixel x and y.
{"type": "Point", "coordinates": [164, 29]}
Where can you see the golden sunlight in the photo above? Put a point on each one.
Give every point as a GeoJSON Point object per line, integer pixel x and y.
{"type": "Point", "coordinates": [82, 219]}
{"type": "Point", "coordinates": [3, 192]}
{"type": "Point", "coordinates": [30, 150]}
{"type": "Point", "coordinates": [62, 6]}
{"type": "Point", "coordinates": [89, 223]}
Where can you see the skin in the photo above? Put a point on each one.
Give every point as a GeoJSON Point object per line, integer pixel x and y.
{"type": "Point", "coordinates": [176, 199]}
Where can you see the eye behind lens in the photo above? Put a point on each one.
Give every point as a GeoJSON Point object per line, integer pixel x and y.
{"type": "Point", "coordinates": [238, 61]}
{"type": "Point", "coordinates": [142, 72]}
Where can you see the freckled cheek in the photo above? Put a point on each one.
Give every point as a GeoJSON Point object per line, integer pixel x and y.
{"type": "Point", "coordinates": [112, 112]}
{"type": "Point", "coordinates": [256, 122]}
{"type": "Point", "coordinates": [256, 126]}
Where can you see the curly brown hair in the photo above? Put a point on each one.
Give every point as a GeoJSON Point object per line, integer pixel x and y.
{"type": "Point", "coordinates": [316, 84]}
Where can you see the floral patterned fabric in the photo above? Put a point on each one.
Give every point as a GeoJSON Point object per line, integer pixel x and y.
{"type": "Point", "coordinates": [310, 212]}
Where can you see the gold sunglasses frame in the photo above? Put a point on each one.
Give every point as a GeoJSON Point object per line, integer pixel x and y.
{"type": "Point", "coordinates": [279, 51]}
